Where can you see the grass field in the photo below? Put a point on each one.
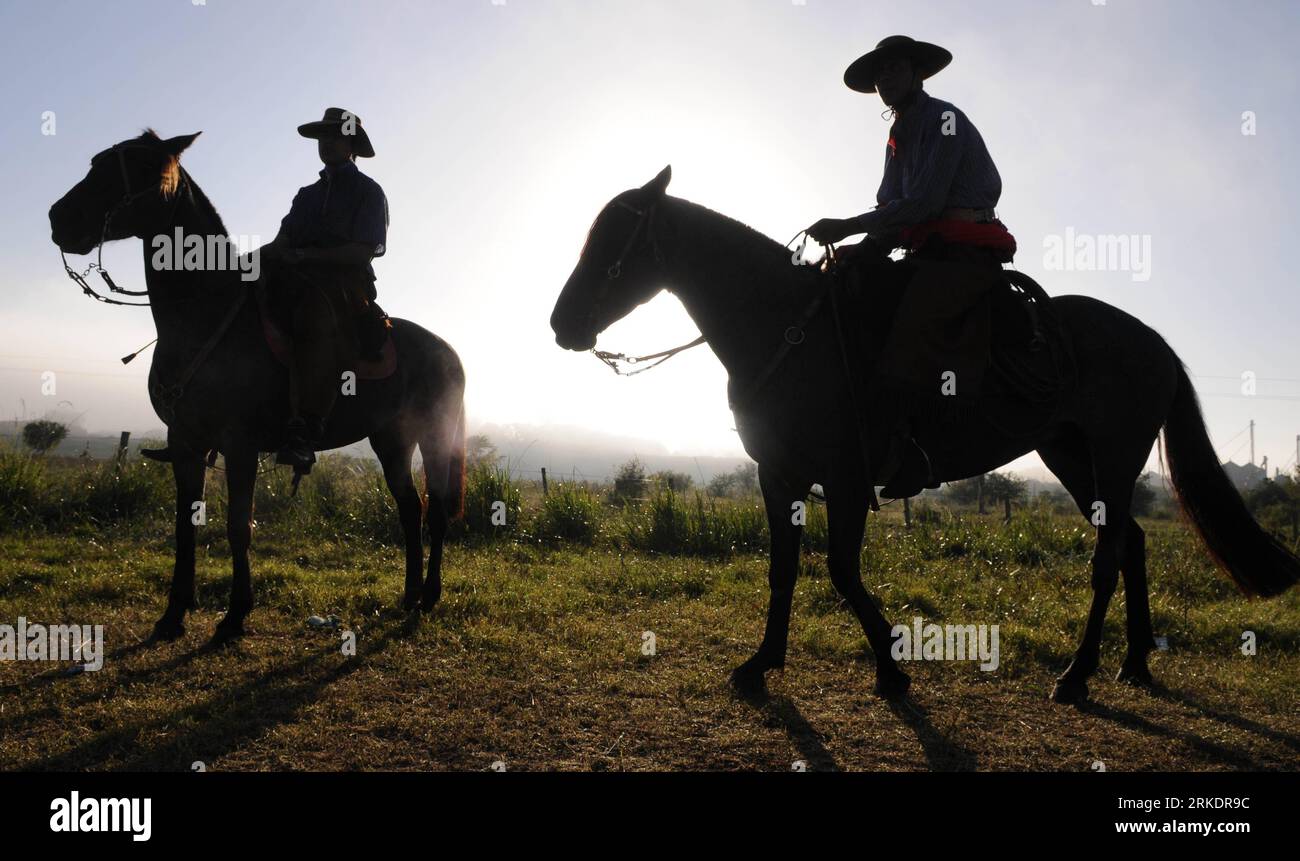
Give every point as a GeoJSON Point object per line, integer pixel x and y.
{"type": "Point", "coordinates": [534, 658]}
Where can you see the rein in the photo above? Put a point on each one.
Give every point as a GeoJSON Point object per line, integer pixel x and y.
{"type": "Point", "coordinates": [166, 395]}
{"type": "Point", "coordinates": [792, 337]}
{"type": "Point", "coordinates": [645, 219]}
{"type": "Point", "coordinates": [126, 200]}
{"type": "Point", "coordinates": [612, 359]}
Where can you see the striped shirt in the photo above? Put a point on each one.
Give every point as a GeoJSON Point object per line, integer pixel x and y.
{"type": "Point", "coordinates": [344, 205]}
{"type": "Point", "coordinates": [935, 159]}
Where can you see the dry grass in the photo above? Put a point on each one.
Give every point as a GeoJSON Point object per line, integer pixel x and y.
{"type": "Point", "coordinates": [533, 659]}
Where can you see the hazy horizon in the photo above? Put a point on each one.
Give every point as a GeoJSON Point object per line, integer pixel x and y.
{"type": "Point", "coordinates": [502, 128]}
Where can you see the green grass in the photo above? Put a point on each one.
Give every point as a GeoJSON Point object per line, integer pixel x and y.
{"type": "Point", "coordinates": [534, 656]}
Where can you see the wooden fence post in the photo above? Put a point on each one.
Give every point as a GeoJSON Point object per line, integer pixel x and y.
{"type": "Point", "coordinates": [544, 489]}
{"type": "Point", "coordinates": [907, 512]}
{"type": "Point", "coordinates": [121, 445]}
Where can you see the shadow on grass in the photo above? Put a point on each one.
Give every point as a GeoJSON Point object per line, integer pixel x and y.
{"type": "Point", "coordinates": [1219, 754]}
{"type": "Point", "coordinates": [1242, 723]}
{"type": "Point", "coordinates": [230, 717]}
{"type": "Point", "coordinates": [941, 752]}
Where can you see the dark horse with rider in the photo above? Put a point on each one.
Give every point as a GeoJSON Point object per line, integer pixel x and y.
{"type": "Point", "coordinates": [876, 368]}
{"type": "Point", "coordinates": [297, 361]}
{"type": "Point", "coordinates": [909, 370]}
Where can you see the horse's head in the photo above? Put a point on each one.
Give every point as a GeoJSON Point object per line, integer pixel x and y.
{"type": "Point", "coordinates": [619, 268]}
{"type": "Point", "coordinates": [125, 192]}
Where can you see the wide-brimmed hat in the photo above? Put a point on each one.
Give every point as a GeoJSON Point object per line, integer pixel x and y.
{"type": "Point", "coordinates": [338, 121]}
{"type": "Point", "coordinates": [927, 59]}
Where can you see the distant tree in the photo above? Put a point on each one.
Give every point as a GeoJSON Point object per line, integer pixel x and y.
{"type": "Point", "coordinates": [677, 482]}
{"type": "Point", "coordinates": [1144, 497]}
{"type": "Point", "coordinates": [630, 481]}
{"type": "Point", "coordinates": [1275, 506]}
{"type": "Point", "coordinates": [741, 481]}
{"type": "Point", "coordinates": [746, 477]}
{"type": "Point", "coordinates": [1006, 488]}
{"type": "Point", "coordinates": [479, 449]}
{"type": "Point", "coordinates": [43, 434]}
{"type": "Point", "coordinates": [722, 484]}
{"type": "Point", "coordinates": [964, 492]}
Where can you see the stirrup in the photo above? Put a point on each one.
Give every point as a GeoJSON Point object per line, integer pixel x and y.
{"type": "Point", "coordinates": [905, 482]}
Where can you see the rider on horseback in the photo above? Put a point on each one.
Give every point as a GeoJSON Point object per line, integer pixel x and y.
{"type": "Point", "coordinates": [334, 228]}
{"type": "Point", "coordinates": [936, 201]}
{"type": "Point", "coordinates": [320, 262]}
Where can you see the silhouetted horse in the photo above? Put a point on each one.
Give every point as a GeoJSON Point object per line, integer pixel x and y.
{"type": "Point", "coordinates": [216, 384]}
{"type": "Point", "coordinates": [793, 418]}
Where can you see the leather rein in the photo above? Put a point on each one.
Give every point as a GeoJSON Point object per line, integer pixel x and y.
{"type": "Point", "coordinates": [128, 197]}
{"type": "Point", "coordinates": [645, 222]}
{"type": "Point", "coordinates": [166, 394]}
{"type": "Point", "coordinates": [793, 336]}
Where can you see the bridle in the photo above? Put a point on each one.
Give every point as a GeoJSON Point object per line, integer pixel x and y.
{"type": "Point", "coordinates": [127, 199]}
{"type": "Point", "coordinates": [645, 222]}
{"type": "Point", "coordinates": [792, 337]}
{"type": "Point", "coordinates": [166, 395]}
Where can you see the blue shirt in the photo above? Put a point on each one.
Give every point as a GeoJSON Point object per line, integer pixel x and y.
{"type": "Point", "coordinates": [344, 205]}
{"type": "Point", "coordinates": [935, 159]}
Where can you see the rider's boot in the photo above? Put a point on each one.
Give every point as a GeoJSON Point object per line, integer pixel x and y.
{"type": "Point", "coordinates": [907, 469]}
{"type": "Point", "coordinates": [302, 435]}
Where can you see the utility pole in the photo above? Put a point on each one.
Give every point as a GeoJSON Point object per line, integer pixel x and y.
{"type": "Point", "coordinates": [1252, 442]}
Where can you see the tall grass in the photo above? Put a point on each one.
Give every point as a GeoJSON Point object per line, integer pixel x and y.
{"type": "Point", "coordinates": [493, 503]}
{"type": "Point", "coordinates": [668, 523]}
{"type": "Point", "coordinates": [570, 512]}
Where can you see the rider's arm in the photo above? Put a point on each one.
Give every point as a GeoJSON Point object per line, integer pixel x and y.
{"type": "Point", "coordinates": [929, 185]}
{"type": "Point", "coordinates": [370, 224]}
{"type": "Point", "coordinates": [349, 253]}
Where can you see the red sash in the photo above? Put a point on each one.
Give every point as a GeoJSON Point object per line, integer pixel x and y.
{"type": "Point", "coordinates": [992, 235]}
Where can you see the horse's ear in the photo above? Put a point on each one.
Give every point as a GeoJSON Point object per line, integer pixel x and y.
{"type": "Point", "coordinates": [177, 145]}
{"type": "Point", "coordinates": [656, 187]}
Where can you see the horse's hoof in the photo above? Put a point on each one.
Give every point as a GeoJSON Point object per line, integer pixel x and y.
{"type": "Point", "coordinates": [227, 631]}
{"type": "Point", "coordinates": [894, 685]}
{"type": "Point", "coordinates": [1138, 676]}
{"type": "Point", "coordinates": [1070, 693]}
{"type": "Point", "coordinates": [430, 601]}
{"type": "Point", "coordinates": [410, 602]}
{"type": "Point", "coordinates": [166, 631]}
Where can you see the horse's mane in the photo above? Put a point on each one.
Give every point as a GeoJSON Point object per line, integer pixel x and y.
{"type": "Point", "coordinates": [736, 235]}
{"type": "Point", "coordinates": [172, 173]}
{"type": "Point", "coordinates": [762, 262]}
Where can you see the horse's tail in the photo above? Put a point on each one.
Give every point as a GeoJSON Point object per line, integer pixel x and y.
{"type": "Point", "coordinates": [1256, 561]}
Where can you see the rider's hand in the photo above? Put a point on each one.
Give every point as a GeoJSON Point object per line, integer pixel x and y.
{"type": "Point", "coordinates": [830, 230]}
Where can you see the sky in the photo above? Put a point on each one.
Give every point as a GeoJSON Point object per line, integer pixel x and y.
{"type": "Point", "coordinates": [501, 129]}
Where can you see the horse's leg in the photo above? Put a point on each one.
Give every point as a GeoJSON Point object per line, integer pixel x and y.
{"type": "Point", "coordinates": [1141, 635]}
{"type": "Point", "coordinates": [395, 458]}
{"type": "Point", "coordinates": [189, 472]}
{"type": "Point", "coordinates": [846, 514]}
{"type": "Point", "coordinates": [241, 477]}
{"type": "Point", "coordinates": [1115, 492]}
{"type": "Point", "coordinates": [442, 448]}
{"type": "Point", "coordinates": [782, 571]}
{"type": "Point", "coordinates": [436, 518]}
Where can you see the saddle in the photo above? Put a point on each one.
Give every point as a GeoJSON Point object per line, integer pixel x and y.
{"type": "Point", "coordinates": [984, 342]}
{"type": "Point", "coordinates": [378, 352]}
